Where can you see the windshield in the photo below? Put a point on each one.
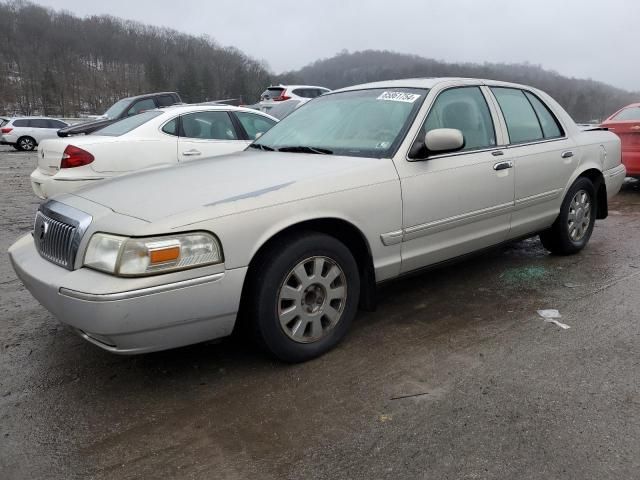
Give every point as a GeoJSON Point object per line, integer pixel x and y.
{"type": "Point", "coordinates": [127, 124]}
{"type": "Point", "coordinates": [360, 123]}
{"type": "Point", "coordinates": [117, 108]}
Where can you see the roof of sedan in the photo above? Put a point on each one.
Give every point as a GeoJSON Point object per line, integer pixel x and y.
{"type": "Point", "coordinates": [196, 107]}
{"type": "Point", "coordinates": [424, 83]}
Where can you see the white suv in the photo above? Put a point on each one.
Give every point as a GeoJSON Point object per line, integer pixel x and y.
{"type": "Point", "coordinates": [295, 94]}
{"type": "Point", "coordinates": [25, 133]}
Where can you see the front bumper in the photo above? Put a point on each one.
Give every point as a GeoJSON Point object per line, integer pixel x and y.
{"type": "Point", "coordinates": [46, 186]}
{"type": "Point", "coordinates": [614, 178]}
{"type": "Point", "coordinates": [130, 321]}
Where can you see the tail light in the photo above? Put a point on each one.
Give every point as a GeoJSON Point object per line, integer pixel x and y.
{"type": "Point", "coordinates": [6, 130]}
{"type": "Point", "coordinates": [283, 96]}
{"type": "Point", "coordinates": [75, 157]}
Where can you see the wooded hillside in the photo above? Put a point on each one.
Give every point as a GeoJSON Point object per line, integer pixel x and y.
{"type": "Point", "coordinates": [55, 63]}
{"type": "Point", "coordinates": [585, 100]}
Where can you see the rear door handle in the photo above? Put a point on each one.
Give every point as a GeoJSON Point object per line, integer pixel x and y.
{"type": "Point", "coordinates": [503, 165]}
{"type": "Point", "coordinates": [567, 154]}
{"type": "Point", "coordinates": [191, 153]}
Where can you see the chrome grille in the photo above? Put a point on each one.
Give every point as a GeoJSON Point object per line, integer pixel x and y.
{"type": "Point", "coordinates": [57, 232]}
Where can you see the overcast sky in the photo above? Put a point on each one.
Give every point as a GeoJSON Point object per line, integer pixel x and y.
{"type": "Point", "coordinates": [581, 38]}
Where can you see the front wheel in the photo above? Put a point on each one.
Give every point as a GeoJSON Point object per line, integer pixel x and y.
{"type": "Point", "coordinates": [572, 230]}
{"type": "Point", "coordinates": [306, 294]}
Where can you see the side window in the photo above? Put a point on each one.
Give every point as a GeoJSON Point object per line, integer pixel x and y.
{"type": "Point", "coordinates": [56, 124]}
{"type": "Point", "coordinates": [39, 123]}
{"type": "Point", "coordinates": [171, 127]}
{"type": "Point", "coordinates": [254, 125]}
{"type": "Point", "coordinates": [165, 100]}
{"type": "Point", "coordinates": [522, 121]}
{"type": "Point", "coordinates": [208, 126]}
{"type": "Point", "coordinates": [21, 123]}
{"type": "Point", "coordinates": [141, 106]}
{"type": "Point", "coordinates": [465, 109]}
{"type": "Point", "coordinates": [550, 126]}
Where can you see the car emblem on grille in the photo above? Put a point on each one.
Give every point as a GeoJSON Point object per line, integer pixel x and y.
{"type": "Point", "coordinates": [44, 228]}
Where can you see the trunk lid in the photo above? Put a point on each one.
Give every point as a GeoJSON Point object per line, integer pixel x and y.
{"type": "Point", "coordinates": [629, 133]}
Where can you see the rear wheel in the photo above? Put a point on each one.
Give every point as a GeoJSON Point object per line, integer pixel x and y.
{"type": "Point", "coordinates": [304, 296]}
{"type": "Point", "coordinates": [26, 144]}
{"type": "Point", "coordinates": [572, 229]}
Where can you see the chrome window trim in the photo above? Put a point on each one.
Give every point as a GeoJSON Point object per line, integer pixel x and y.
{"type": "Point", "coordinates": [140, 292]}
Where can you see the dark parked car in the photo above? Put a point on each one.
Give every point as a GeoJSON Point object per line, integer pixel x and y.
{"type": "Point", "coordinates": [121, 109]}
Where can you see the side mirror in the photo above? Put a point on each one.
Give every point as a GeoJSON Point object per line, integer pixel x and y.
{"type": "Point", "coordinates": [444, 140]}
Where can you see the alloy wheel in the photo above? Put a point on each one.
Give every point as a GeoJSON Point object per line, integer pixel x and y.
{"type": "Point", "coordinates": [579, 216]}
{"type": "Point", "coordinates": [311, 299]}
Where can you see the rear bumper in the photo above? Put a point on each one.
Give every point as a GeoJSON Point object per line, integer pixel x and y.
{"type": "Point", "coordinates": [46, 186]}
{"type": "Point", "coordinates": [614, 178]}
{"type": "Point", "coordinates": [132, 321]}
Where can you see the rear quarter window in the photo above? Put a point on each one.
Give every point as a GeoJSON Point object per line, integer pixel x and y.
{"type": "Point", "coordinates": [21, 123]}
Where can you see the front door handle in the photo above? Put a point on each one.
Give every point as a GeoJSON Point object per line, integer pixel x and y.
{"type": "Point", "coordinates": [191, 153]}
{"type": "Point", "coordinates": [568, 154]}
{"type": "Point", "coordinates": [635, 127]}
{"type": "Point", "coordinates": [503, 165]}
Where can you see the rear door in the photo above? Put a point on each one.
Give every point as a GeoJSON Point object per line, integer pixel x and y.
{"type": "Point", "coordinates": [41, 130]}
{"type": "Point", "coordinates": [208, 134]}
{"type": "Point", "coordinates": [544, 158]}
{"type": "Point", "coordinates": [626, 124]}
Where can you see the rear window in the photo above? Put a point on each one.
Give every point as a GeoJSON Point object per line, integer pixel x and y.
{"type": "Point", "coordinates": [128, 124]}
{"type": "Point", "coordinates": [631, 113]}
{"type": "Point", "coordinates": [165, 100]}
{"type": "Point", "coordinates": [309, 92]}
{"type": "Point", "coordinates": [21, 123]}
{"type": "Point", "coordinates": [3, 121]}
{"type": "Point", "coordinates": [271, 93]}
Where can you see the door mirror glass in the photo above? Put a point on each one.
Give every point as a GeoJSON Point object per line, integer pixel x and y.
{"type": "Point", "coordinates": [442, 140]}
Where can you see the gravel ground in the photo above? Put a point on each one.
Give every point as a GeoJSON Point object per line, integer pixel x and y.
{"type": "Point", "coordinates": [453, 377]}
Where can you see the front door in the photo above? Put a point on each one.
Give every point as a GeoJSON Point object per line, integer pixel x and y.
{"type": "Point", "coordinates": [458, 202]}
{"type": "Point", "coordinates": [208, 134]}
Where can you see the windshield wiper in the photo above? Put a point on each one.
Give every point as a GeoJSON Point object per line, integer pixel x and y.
{"type": "Point", "coordinates": [305, 149]}
{"type": "Point", "coordinates": [261, 147]}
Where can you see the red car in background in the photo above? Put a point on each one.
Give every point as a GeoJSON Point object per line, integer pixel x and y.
{"type": "Point", "coordinates": [626, 124]}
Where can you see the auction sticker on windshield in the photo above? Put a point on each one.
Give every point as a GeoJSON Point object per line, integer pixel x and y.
{"type": "Point", "coordinates": [399, 97]}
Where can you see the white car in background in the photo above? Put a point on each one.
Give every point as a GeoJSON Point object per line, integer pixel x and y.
{"type": "Point", "coordinates": [277, 94]}
{"type": "Point", "coordinates": [153, 138]}
{"type": "Point", "coordinates": [26, 133]}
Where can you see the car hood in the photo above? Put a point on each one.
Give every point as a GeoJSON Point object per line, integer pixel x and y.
{"type": "Point", "coordinates": [233, 183]}
{"type": "Point", "coordinates": [85, 127]}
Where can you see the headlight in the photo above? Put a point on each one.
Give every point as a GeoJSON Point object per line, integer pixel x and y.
{"type": "Point", "coordinates": [130, 257]}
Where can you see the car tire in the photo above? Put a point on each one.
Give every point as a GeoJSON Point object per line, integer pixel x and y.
{"type": "Point", "coordinates": [26, 144]}
{"type": "Point", "coordinates": [15, 145]}
{"type": "Point", "coordinates": [304, 296]}
{"type": "Point", "coordinates": [572, 230]}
